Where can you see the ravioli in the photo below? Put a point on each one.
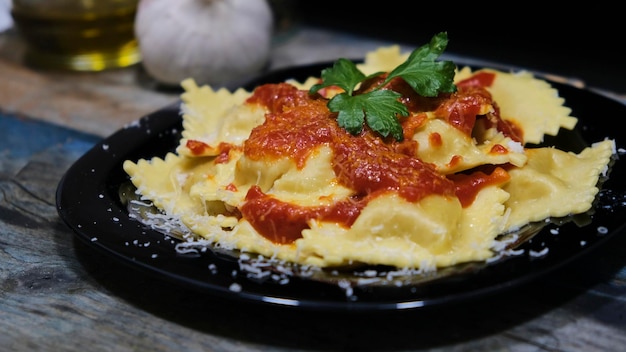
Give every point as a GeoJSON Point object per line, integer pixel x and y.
{"type": "Point", "coordinates": [277, 177]}
{"type": "Point", "coordinates": [208, 121]}
{"type": "Point", "coordinates": [533, 103]}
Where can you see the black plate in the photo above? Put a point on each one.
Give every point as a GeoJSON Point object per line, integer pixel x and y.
{"type": "Point", "coordinates": [88, 201]}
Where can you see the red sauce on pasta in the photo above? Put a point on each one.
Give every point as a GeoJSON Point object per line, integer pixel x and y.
{"type": "Point", "coordinates": [468, 185]}
{"type": "Point", "coordinates": [197, 147]}
{"type": "Point", "coordinates": [484, 79]}
{"type": "Point", "coordinates": [297, 123]}
{"type": "Point", "coordinates": [461, 108]}
{"type": "Point", "coordinates": [479, 79]}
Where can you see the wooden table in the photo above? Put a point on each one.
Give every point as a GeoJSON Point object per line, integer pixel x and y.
{"type": "Point", "coordinates": [58, 294]}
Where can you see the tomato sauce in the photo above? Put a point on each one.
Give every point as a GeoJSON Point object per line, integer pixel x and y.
{"type": "Point", "coordinates": [276, 97]}
{"type": "Point", "coordinates": [282, 222]}
{"type": "Point", "coordinates": [292, 133]}
{"type": "Point", "coordinates": [197, 147]}
{"type": "Point", "coordinates": [484, 79]}
{"type": "Point", "coordinates": [461, 108]}
{"type": "Point", "coordinates": [298, 123]}
{"type": "Point", "coordinates": [468, 185]}
{"type": "Point", "coordinates": [478, 79]}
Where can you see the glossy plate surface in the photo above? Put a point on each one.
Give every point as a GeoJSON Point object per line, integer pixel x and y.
{"type": "Point", "coordinates": [88, 201]}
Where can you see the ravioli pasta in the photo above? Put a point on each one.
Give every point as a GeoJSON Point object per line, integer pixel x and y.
{"type": "Point", "coordinates": [268, 172]}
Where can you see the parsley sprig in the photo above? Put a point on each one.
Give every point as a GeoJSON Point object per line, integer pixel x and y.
{"type": "Point", "coordinates": [379, 107]}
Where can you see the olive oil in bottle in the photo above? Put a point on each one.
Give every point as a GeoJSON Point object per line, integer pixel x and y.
{"type": "Point", "coordinates": [78, 35]}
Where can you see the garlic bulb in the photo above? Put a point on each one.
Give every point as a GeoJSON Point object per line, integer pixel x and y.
{"type": "Point", "coordinates": [212, 41]}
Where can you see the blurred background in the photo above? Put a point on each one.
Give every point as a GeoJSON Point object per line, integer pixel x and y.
{"type": "Point", "coordinates": [584, 41]}
{"type": "Point", "coordinates": [579, 44]}
{"type": "Point", "coordinates": [578, 41]}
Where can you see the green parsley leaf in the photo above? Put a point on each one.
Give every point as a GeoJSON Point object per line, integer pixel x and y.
{"type": "Point", "coordinates": [343, 74]}
{"type": "Point", "coordinates": [379, 108]}
{"type": "Point", "coordinates": [425, 75]}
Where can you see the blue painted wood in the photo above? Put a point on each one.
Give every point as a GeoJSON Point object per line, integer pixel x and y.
{"type": "Point", "coordinates": [23, 137]}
